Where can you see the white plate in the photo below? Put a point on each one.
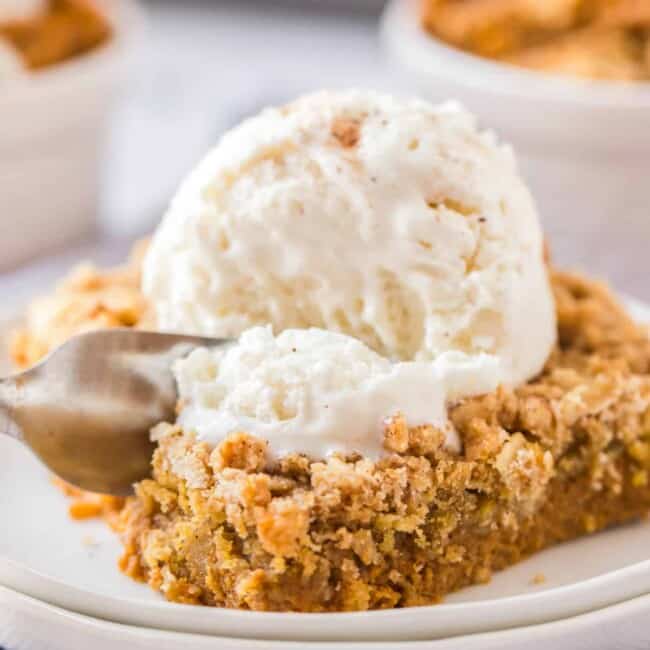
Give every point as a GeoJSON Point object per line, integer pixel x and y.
{"type": "Point", "coordinates": [29, 624]}
{"type": "Point", "coordinates": [72, 565]}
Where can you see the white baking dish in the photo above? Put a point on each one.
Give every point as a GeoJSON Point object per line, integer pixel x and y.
{"type": "Point", "coordinates": [52, 127]}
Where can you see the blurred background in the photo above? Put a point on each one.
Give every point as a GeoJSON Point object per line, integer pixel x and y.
{"type": "Point", "coordinates": [189, 69]}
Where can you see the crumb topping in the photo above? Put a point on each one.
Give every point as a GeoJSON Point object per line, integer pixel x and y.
{"type": "Point", "coordinates": [88, 299]}
{"type": "Point", "coordinates": [600, 39]}
{"type": "Point", "coordinates": [68, 28]}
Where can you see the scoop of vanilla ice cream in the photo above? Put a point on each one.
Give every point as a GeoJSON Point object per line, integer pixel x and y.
{"type": "Point", "coordinates": [14, 10]}
{"type": "Point", "coordinates": [395, 222]}
{"type": "Point", "coordinates": [315, 392]}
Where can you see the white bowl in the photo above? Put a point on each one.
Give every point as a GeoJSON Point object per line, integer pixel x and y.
{"type": "Point", "coordinates": [72, 565]}
{"type": "Point", "coordinates": [583, 145]}
{"type": "Point", "coordinates": [53, 124]}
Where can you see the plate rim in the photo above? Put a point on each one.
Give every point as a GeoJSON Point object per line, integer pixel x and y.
{"type": "Point", "coordinates": [48, 613]}
{"type": "Point", "coordinates": [555, 604]}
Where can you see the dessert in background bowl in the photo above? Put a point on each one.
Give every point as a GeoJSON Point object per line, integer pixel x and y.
{"type": "Point", "coordinates": [597, 39]}
{"type": "Point", "coordinates": [42, 33]}
{"type": "Point", "coordinates": [415, 399]}
{"type": "Point", "coordinates": [62, 63]}
{"type": "Point", "coordinates": [577, 135]}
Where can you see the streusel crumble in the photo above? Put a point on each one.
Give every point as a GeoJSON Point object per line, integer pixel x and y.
{"type": "Point", "coordinates": [54, 31]}
{"type": "Point", "coordinates": [599, 39]}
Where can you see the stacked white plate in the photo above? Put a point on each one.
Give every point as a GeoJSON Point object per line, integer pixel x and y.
{"type": "Point", "coordinates": [60, 589]}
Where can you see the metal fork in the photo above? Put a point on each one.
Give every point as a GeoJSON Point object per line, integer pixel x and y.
{"type": "Point", "coordinates": [86, 410]}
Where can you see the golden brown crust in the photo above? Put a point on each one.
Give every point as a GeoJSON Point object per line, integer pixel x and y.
{"type": "Point", "coordinates": [600, 39]}
{"type": "Point", "coordinates": [68, 29]}
{"type": "Point", "coordinates": [563, 456]}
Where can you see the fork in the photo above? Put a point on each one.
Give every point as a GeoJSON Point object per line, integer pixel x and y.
{"type": "Point", "coordinates": [86, 410]}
